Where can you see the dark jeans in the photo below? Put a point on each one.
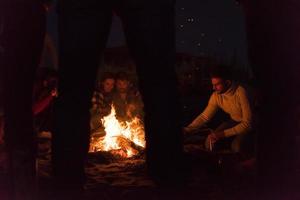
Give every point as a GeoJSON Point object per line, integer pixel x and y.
{"type": "Point", "coordinates": [22, 37]}
{"type": "Point", "coordinates": [243, 144]}
{"type": "Point", "coordinates": [83, 30]}
{"type": "Point", "coordinates": [273, 28]}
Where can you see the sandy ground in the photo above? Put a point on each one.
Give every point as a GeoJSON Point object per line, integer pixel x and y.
{"type": "Point", "coordinates": [112, 178]}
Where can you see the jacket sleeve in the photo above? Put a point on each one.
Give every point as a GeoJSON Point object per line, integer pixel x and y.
{"type": "Point", "coordinates": [205, 116]}
{"type": "Point", "coordinates": [41, 105]}
{"type": "Point", "coordinates": [245, 125]}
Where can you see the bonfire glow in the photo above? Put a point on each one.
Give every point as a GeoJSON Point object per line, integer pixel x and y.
{"type": "Point", "coordinates": [120, 135]}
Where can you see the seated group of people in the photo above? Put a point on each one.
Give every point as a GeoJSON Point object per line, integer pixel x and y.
{"type": "Point", "coordinates": [117, 90]}
{"type": "Point", "coordinates": [235, 133]}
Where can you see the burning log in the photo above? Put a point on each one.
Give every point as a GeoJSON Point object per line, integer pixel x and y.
{"type": "Point", "coordinates": [126, 139]}
{"type": "Point", "coordinates": [127, 147]}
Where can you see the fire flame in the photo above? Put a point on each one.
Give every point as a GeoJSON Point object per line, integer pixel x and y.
{"type": "Point", "coordinates": [120, 136]}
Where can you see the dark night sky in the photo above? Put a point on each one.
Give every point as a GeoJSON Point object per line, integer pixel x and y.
{"type": "Point", "coordinates": [204, 27]}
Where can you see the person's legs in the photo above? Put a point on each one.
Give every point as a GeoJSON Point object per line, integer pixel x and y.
{"type": "Point", "coordinates": [242, 144]}
{"type": "Point", "coordinates": [273, 28]}
{"type": "Point", "coordinates": [236, 143]}
{"type": "Point", "coordinates": [83, 31]}
{"type": "Point", "coordinates": [224, 143]}
{"type": "Point", "coordinates": [22, 37]}
{"type": "Point", "coordinates": [150, 32]}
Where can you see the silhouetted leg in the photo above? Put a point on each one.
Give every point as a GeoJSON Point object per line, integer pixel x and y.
{"type": "Point", "coordinates": [149, 28]}
{"type": "Point", "coordinates": [22, 38]}
{"type": "Point", "coordinates": [273, 29]}
{"type": "Point", "coordinates": [83, 30]}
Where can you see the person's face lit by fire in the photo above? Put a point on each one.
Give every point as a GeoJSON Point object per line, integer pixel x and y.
{"type": "Point", "coordinates": [220, 85]}
{"type": "Point", "coordinates": [122, 86]}
{"type": "Point", "coordinates": [108, 85]}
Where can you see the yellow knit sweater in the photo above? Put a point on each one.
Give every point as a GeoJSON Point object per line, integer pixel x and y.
{"type": "Point", "coordinates": [235, 102]}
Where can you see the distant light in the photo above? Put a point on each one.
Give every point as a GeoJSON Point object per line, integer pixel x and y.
{"type": "Point", "coordinates": [182, 8]}
{"type": "Point", "coordinates": [181, 25]}
{"type": "Point", "coordinates": [202, 34]}
{"type": "Point", "coordinates": [199, 44]}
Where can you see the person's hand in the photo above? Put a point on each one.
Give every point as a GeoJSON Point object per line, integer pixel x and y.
{"type": "Point", "coordinates": [210, 141]}
{"type": "Point", "coordinates": [54, 93]}
{"type": "Point", "coordinates": [213, 138]}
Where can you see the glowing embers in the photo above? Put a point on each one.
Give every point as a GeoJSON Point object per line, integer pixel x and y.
{"type": "Point", "coordinates": [125, 139]}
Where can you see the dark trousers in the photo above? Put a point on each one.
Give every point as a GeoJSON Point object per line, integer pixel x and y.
{"type": "Point", "coordinates": [273, 28]}
{"type": "Point", "coordinates": [83, 30]}
{"type": "Point", "coordinates": [21, 38]}
{"type": "Point", "coordinates": [243, 144]}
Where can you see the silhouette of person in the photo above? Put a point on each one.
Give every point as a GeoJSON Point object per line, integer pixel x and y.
{"type": "Point", "coordinates": [273, 40]}
{"type": "Point", "coordinates": [150, 32]}
{"type": "Point", "coordinates": [22, 37]}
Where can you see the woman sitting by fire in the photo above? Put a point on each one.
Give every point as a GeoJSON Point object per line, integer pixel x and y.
{"type": "Point", "coordinates": [115, 90]}
{"type": "Point", "coordinates": [102, 100]}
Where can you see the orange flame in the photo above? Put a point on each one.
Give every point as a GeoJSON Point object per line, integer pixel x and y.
{"type": "Point", "coordinates": [120, 135]}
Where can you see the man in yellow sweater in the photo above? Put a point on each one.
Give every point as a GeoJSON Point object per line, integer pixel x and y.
{"type": "Point", "coordinates": [233, 99]}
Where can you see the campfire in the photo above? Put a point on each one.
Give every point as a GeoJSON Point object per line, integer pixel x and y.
{"type": "Point", "coordinates": [125, 139]}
